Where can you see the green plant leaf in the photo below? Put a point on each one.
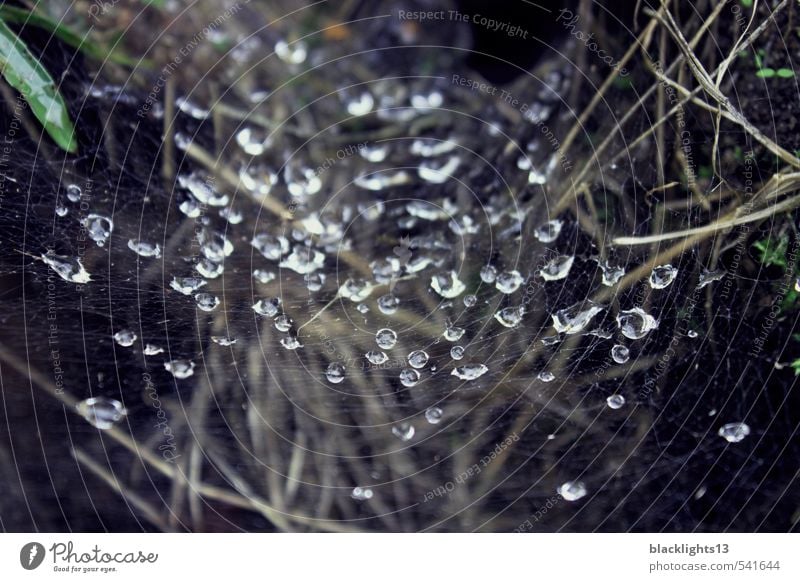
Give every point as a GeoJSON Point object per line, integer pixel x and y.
{"type": "Point", "coordinates": [785, 73]}
{"type": "Point", "coordinates": [64, 33]}
{"type": "Point", "coordinates": [796, 367]}
{"type": "Point", "coordinates": [766, 73]}
{"type": "Point", "coordinates": [26, 74]}
{"type": "Point", "coordinates": [772, 252]}
{"type": "Point", "coordinates": [747, 3]}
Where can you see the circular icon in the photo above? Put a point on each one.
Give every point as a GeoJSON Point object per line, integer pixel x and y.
{"type": "Point", "coordinates": [31, 555]}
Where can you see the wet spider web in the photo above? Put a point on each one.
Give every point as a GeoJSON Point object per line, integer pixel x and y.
{"type": "Point", "coordinates": [235, 312]}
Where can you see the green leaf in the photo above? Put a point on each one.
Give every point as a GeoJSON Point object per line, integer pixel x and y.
{"type": "Point", "coordinates": [64, 33]}
{"type": "Point", "coordinates": [796, 367]}
{"type": "Point", "coordinates": [747, 3]}
{"type": "Point", "coordinates": [785, 73]}
{"type": "Point", "coordinates": [771, 252]}
{"type": "Point", "coordinates": [765, 73]}
{"type": "Point", "coordinates": [27, 75]}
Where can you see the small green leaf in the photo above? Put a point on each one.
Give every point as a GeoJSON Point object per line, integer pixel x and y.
{"type": "Point", "coordinates": [772, 252]}
{"type": "Point", "coordinates": [766, 73]}
{"type": "Point", "coordinates": [27, 75]}
{"type": "Point", "coordinates": [747, 3]}
{"type": "Point", "coordinates": [796, 367]}
{"type": "Point", "coordinates": [785, 73]}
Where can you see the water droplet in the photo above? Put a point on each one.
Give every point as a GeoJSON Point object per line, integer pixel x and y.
{"type": "Point", "coordinates": [434, 415]}
{"type": "Point", "coordinates": [469, 371]}
{"type": "Point", "coordinates": [362, 308]}
{"type": "Point", "coordinates": [61, 211]}
{"type": "Point", "coordinates": [187, 285]}
{"type": "Point", "coordinates": [223, 340]}
{"type": "Point", "coordinates": [662, 276]}
{"type": "Point", "coordinates": [314, 281]}
{"type": "Point", "coordinates": [263, 276]}
{"type": "Point", "coordinates": [362, 105]}
{"type": "Point", "coordinates": [428, 148]}
{"type": "Point", "coordinates": [68, 268]}
{"type": "Point", "coordinates": [335, 373]}
{"type": "Point", "coordinates": [404, 431]}
{"type": "Point", "coordinates": [290, 342]}
{"type": "Point", "coordinates": [734, 432]}
{"type": "Point", "coordinates": [558, 268]}
{"type": "Point", "coordinates": [388, 304]}
{"type": "Point", "coordinates": [470, 300]}
{"type": "Point", "coordinates": [549, 231]}
{"type": "Point", "coordinates": [374, 153]}
{"type": "Point", "coordinates": [635, 323]}
{"type": "Point", "coordinates": [101, 412]}
{"type": "Point", "coordinates": [546, 376]}
{"type": "Point", "coordinates": [268, 307]}
{"type": "Point", "coordinates": [272, 247]}
{"type": "Point", "coordinates": [291, 53]}
{"type": "Point", "coordinates": [376, 358]}
{"type": "Point", "coordinates": [283, 323]}
{"type": "Point", "coordinates": [151, 350]}
{"type": "Point", "coordinates": [98, 227]}
{"type": "Point", "coordinates": [253, 141]}
{"type": "Point", "coordinates": [575, 318]}
{"type": "Point", "coordinates": [206, 301]}
{"type": "Point", "coordinates": [418, 359]}
{"type": "Point", "coordinates": [379, 180]}
{"type": "Point", "coordinates": [386, 338]}
{"type": "Point", "coordinates": [488, 274]}
{"type": "Point", "coordinates": [190, 208]}
{"type": "Point", "coordinates": [231, 215]}
{"type": "Point", "coordinates": [615, 401]}
{"type": "Point", "coordinates": [707, 277]}
{"type": "Point", "coordinates": [209, 269]}
{"type": "Point", "coordinates": [125, 338]}
{"type": "Point", "coordinates": [181, 369]}
{"type": "Point", "coordinates": [447, 285]}
{"type": "Point", "coordinates": [611, 274]}
{"type": "Point", "coordinates": [508, 282]}
{"type": "Point", "coordinates": [356, 290]}
{"type": "Point", "coordinates": [620, 354]}
{"type": "Point", "coordinates": [572, 490]}
{"type": "Point", "coordinates": [438, 173]}
{"type": "Point", "coordinates": [691, 333]}
{"type": "Point", "coordinates": [457, 352]}
{"type": "Point", "coordinates": [361, 493]}
{"type": "Point", "coordinates": [304, 182]}
{"type": "Point", "coordinates": [144, 249]}
{"type": "Point", "coordinates": [453, 333]}
{"type": "Point", "coordinates": [409, 377]}
{"type": "Point", "coordinates": [303, 260]}
{"type": "Point", "coordinates": [74, 193]}
{"type": "Point", "coordinates": [510, 316]}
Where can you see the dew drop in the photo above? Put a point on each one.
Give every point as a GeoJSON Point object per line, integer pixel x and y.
{"type": "Point", "coordinates": [263, 276]}
{"type": "Point", "coordinates": [267, 307]}
{"type": "Point", "coordinates": [549, 231]}
{"type": "Point", "coordinates": [68, 268]}
{"type": "Point", "coordinates": [271, 247]}
{"type": "Point", "coordinates": [283, 323]}
{"type": "Point", "coordinates": [734, 432]}
{"type": "Point", "coordinates": [291, 342]}
{"type": "Point", "coordinates": [662, 276]}
{"type": "Point", "coordinates": [404, 431]}
{"type": "Point", "coordinates": [546, 376]}
{"type": "Point", "coordinates": [98, 227]}
{"type": "Point", "coordinates": [434, 415]}
{"type": "Point", "coordinates": [509, 316]}
{"type": "Point", "coordinates": [557, 268]}
{"type": "Point", "coordinates": [181, 369]}
{"type": "Point", "coordinates": [508, 282]}
{"type": "Point", "coordinates": [575, 318]}
{"type": "Point", "coordinates": [620, 354]}
{"type": "Point", "coordinates": [615, 401]}
{"type": "Point", "coordinates": [611, 274]}
{"type": "Point", "coordinates": [376, 357]}
{"type": "Point", "coordinates": [457, 352]}
{"type": "Point", "coordinates": [187, 285]}
{"type": "Point", "coordinates": [223, 340]}
{"type": "Point", "coordinates": [74, 193]}
{"type": "Point", "coordinates": [386, 338]}
{"type": "Point", "coordinates": [151, 350]}
{"type": "Point", "coordinates": [144, 249]}
{"type": "Point", "coordinates": [453, 333]}
{"type": "Point", "coordinates": [418, 359]}
{"type": "Point", "coordinates": [635, 323]}
{"type": "Point", "coordinates": [335, 373]}
{"type": "Point", "coordinates": [101, 412]}
{"type": "Point", "coordinates": [388, 304]}
{"type": "Point", "coordinates": [361, 493]}
{"type": "Point", "coordinates": [572, 490]}
{"type": "Point", "coordinates": [470, 300]}
{"type": "Point", "coordinates": [206, 301]}
{"type": "Point", "coordinates": [488, 274]}
{"type": "Point", "coordinates": [409, 377]}
{"type": "Point", "coordinates": [469, 371]}
{"type": "Point", "coordinates": [125, 338]}
{"type": "Point", "coordinates": [447, 285]}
